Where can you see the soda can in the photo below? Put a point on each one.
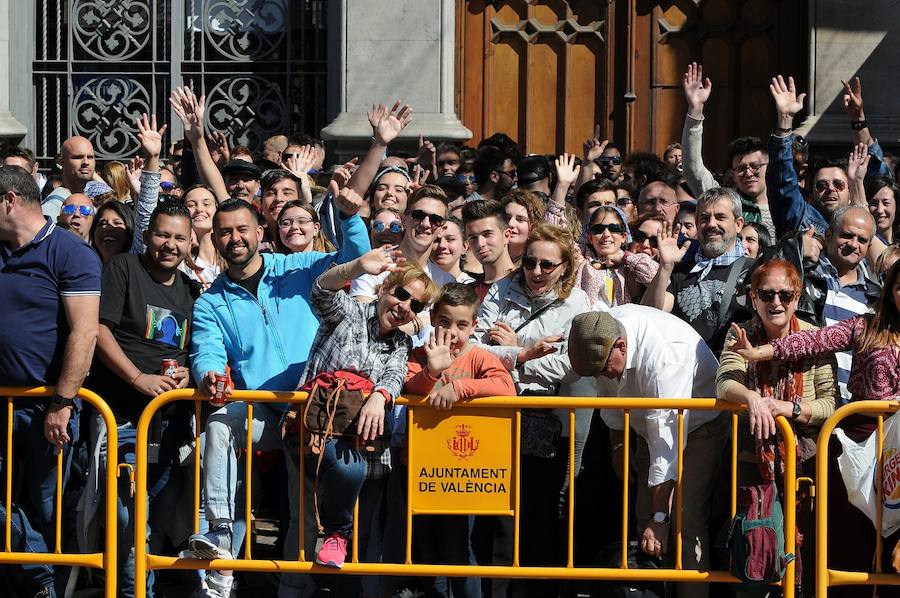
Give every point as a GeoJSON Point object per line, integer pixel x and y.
{"type": "Point", "coordinates": [168, 367]}
{"type": "Point", "coordinates": [218, 398]}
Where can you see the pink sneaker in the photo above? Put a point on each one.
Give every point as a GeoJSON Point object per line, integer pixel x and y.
{"type": "Point", "coordinates": [333, 551]}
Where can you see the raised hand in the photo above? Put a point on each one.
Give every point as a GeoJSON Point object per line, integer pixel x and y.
{"type": "Point", "coordinates": [858, 162]}
{"type": "Point", "coordinates": [812, 247]}
{"type": "Point", "coordinates": [437, 351]}
{"type": "Point", "coordinates": [852, 100]}
{"type": "Point", "coordinates": [381, 259]}
{"type": "Point", "coordinates": [218, 148]}
{"type": "Point", "coordinates": [189, 111]}
{"type": "Point", "coordinates": [391, 122]}
{"type": "Point", "coordinates": [134, 167]}
{"type": "Point", "coordinates": [300, 163]}
{"type": "Point", "coordinates": [787, 101]}
{"type": "Point", "coordinates": [149, 136]}
{"type": "Point", "coordinates": [593, 147]}
{"type": "Point", "coordinates": [427, 153]}
{"type": "Point", "coordinates": [419, 178]}
{"type": "Point", "coordinates": [346, 199]}
{"type": "Point", "coordinates": [696, 89]}
{"type": "Point", "coordinates": [566, 170]}
{"type": "Point", "coordinates": [343, 173]}
{"type": "Point", "coordinates": [741, 344]}
{"type": "Point", "coordinates": [670, 252]}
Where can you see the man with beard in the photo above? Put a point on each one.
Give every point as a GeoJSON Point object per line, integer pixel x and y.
{"type": "Point", "coordinates": [145, 317]}
{"type": "Point", "coordinates": [76, 158]}
{"type": "Point", "coordinates": [701, 290]}
{"type": "Point", "coordinates": [77, 214]}
{"type": "Point", "coordinates": [257, 321]}
{"type": "Point", "coordinates": [495, 174]}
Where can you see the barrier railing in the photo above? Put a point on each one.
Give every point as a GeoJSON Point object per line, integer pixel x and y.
{"type": "Point", "coordinates": [490, 407]}
{"type": "Point", "coordinates": [826, 577]}
{"type": "Point", "coordinates": [105, 560]}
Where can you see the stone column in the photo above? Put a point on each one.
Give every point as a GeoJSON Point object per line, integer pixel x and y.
{"type": "Point", "coordinates": [848, 39]}
{"type": "Point", "coordinates": [11, 130]}
{"type": "Point", "coordinates": [383, 50]}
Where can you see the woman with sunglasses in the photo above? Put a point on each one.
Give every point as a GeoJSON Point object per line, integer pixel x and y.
{"type": "Point", "coordinates": [386, 227]}
{"type": "Point", "coordinates": [299, 229]}
{"type": "Point", "coordinates": [615, 275]}
{"type": "Point", "coordinates": [525, 320]}
{"type": "Point", "coordinates": [645, 234]}
{"type": "Point", "coordinates": [874, 375]}
{"type": "Point", "coordinates": [364, 339]}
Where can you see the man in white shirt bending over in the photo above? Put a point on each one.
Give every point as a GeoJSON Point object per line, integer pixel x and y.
{"type": "Point", "coordinates": [638, 351]}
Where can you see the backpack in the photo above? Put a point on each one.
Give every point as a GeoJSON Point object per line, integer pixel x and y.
{"type": "Point", "coordinates": [756, 538]}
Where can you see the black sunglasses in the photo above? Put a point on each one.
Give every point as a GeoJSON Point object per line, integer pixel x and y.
{"type": "Point", "coordinates": [768, 295]}
{"type": "Point", "coordinates": [640, 236]}
{"type": "Point", "coordinates": [530, 263]}
{"type": "Point", "coordinates": [597, 229]}
{"type": "Point", "coordinates": [608, 160]}
{"type": "Point", "coordinates": [434, 219]}
{"type": "Point", "coordinates": [402, 295]}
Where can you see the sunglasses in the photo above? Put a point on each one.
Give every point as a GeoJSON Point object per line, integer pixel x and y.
{"type": "Point", "coordinates": [379, 227]}
{"type": "Point", "coordinates": [608, 161]}
{"type": "Point", "coordinates": [85, 211]}
{"type": "Point", "coordinates": [597, 229]}
{"type": "Point", "coordinates": [547, 267]}
{"type": "Point", "coordinates": [838, 184]}
{"type": "Point", "coordinates": [402, 295]}
{"type": "Point", "coordinates": [640, 236]}
{"type": "Point", "coordinates": [421, 215]}
{"type": "Point", "coordinates": [768, 295]}
{"type": "Point", "coordinates": [166, 186]}
{"type": "Point", "coordinates": [753, 168]}
{"type": "Point", "coordinates": [624, 201]}
{"type": "Point", "coordinates": [465, 178]}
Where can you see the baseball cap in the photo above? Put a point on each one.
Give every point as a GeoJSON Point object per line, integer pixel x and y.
{"type": "Point", "coordinates": [532, 169]}
{"type": "Point", "coordinates": [591, 340]}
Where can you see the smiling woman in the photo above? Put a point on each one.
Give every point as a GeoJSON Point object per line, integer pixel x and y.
{"type": "Point", "coordinates": [112, 229]}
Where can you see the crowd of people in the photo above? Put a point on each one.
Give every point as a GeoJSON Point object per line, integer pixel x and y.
{"type": "Point", "coordinates": [454, 273]}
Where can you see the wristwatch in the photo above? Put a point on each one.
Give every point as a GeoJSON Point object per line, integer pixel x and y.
{"type": "Point", "coordinates": [660, 517]}
{"type": "Point", "coordinates": [795, 411]}
{"type": "Point", "coordinates": [60, 401]}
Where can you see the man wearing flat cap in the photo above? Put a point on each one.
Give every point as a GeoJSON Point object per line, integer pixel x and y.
{"type": "Point", "coordinates": [637, 351]}
{"type": "Point", "coordinates": [242, 180]}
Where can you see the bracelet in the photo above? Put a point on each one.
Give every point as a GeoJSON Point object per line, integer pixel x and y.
{"type": "Point", "coordinates": [783, 130]}
{"type": "Point", "coordinates": [135, 378]}
{"type": "Point", "coordinates": [859, 125]}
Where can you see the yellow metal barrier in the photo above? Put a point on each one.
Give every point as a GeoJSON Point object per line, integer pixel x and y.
{"type": "Point", "coordinates": [105, 560]}
{"type": "Point", "coordinates": [826, 577]}
{"type": "Point", "coordinates": [514, 406]}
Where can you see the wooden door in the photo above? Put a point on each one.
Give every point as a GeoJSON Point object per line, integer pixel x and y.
{"type": "Point", "coordinates": [741, 44]}
{"type": "Point", "coordinates": [536, 70]}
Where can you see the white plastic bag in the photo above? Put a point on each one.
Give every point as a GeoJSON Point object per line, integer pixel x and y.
{"type": "Point", "coordinates": [857, 464]}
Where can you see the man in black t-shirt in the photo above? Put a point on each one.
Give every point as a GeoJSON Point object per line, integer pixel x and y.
{"type": "Point", "coordinates": [700, 288]}
{"type": "Point", "coordinates": [145, 317]}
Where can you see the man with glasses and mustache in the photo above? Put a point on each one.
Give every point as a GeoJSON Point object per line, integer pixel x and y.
{"type": "Point", "coordinates": [256, 320]}
{"type": "Point", "coordinates": [495, 173]}
{"type": "Point", "coordinates": [747, 156]}
{"type": "Point", "coordinates": [77, 215]}
{"type": "Point", "coordinates": [700, 288]}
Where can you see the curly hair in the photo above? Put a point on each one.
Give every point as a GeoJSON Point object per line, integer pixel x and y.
{"type": "Point", "coordinates": [532, 203]}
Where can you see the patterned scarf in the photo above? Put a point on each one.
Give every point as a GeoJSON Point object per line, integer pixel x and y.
{"type": "Point", "coordinates": [787, 387]}
{"type": "Point", "coordinates": [705, 264]}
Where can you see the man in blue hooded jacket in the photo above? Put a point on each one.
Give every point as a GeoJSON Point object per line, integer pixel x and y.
{"type": "Point", "coordinates": [257, 320]}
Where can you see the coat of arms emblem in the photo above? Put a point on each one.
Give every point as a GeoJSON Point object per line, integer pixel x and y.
{"type": "Point", "coordinates": [463, 444]}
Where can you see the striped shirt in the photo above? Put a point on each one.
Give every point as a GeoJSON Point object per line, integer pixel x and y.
{"type": "Point", "coordinates": [842, 303]}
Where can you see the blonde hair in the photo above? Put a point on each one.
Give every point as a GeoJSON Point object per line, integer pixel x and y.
{"type": "Point", "coordinates": [116, 175]}
{"type": "Point", "coordinates": [410, 272]}
{"type": "Point", "coordinates": [892, 251]}
{"type": "Point", "coordinates": [566, 244]}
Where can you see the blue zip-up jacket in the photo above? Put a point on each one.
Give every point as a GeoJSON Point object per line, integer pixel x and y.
{"type": "Point", "coordinates": [266, 340]}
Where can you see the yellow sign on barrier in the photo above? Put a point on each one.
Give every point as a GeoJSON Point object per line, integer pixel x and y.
{"type": "Point", "coordinates": [463, 463]}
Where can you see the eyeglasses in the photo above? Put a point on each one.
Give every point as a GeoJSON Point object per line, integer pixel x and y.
{"type": "Point", "coordinates": [510, 173]}
{"type": "Point", "coordinates": [299, 221]}
{"type": "Point", "coordinates": [624, 201]}
{"type": "Point", "coordinates": [608, 161]}
{"type": "Point", "coordinates": [421, 215]}
{"type": "Point", "coordinates": [768, 295]}
{"type": "Point", "coordinates": [166, 186]}
{"type": "Point", "coordinates": [402, 295]}
{"type": "Point", "coordinates": [640, 236]}
{"type": "Point", "coordinates": [529, 263]}
{"type": "Point", "coordinates": [86, 211]}
{"type": "Point", "coordinates": [753, 167]}
{"type": "Point", "coordinates": [597, 229]}
{"type": "Point", "coordinates": [838, 184]}
{"type": "Point", "coordinates": [379, 227]}
{"type": "Point", "coordinates": [465, 178]}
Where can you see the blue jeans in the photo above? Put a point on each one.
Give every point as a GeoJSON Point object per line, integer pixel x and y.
{"type": "Point", "coordinates": [34, 485]}
{"type": "Point", "coordinates": [226, 430]}
{"type": "Point", "coordinates": [341, 477]}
